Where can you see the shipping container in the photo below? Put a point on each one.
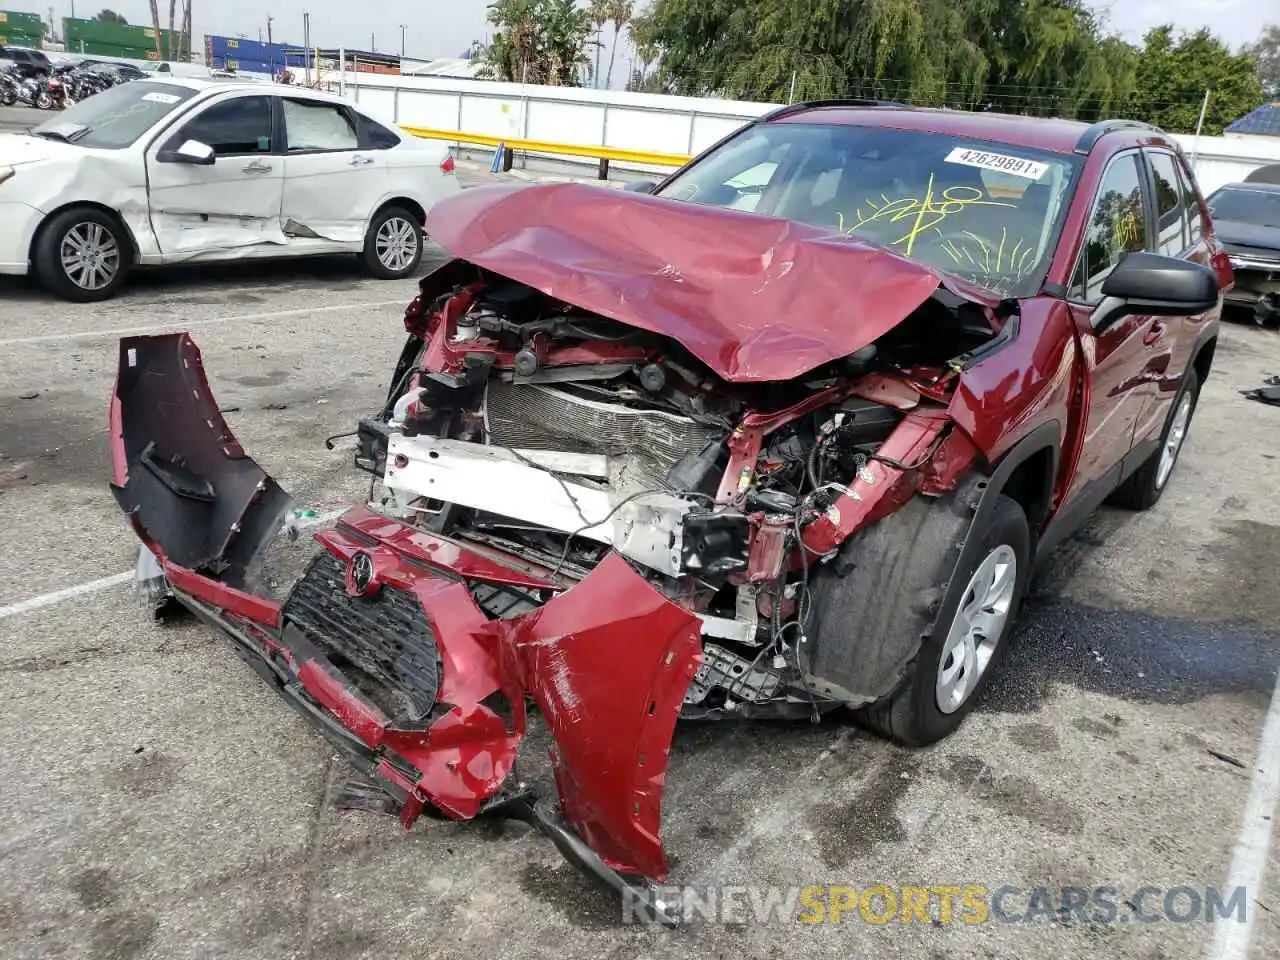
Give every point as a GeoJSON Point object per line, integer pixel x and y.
{"type": "Point", "coordinates": [23, 24]}
{"type": "Point", "coordinates": [242, 48]}
{"type": "Point", "coordinates": [76, 31]}
{"type": "Point", "coordinates": [243, 66]}
{"type": "Point", "coordinates": [12, 39]}
{"type": "Point", "coordinates": [89, 48]}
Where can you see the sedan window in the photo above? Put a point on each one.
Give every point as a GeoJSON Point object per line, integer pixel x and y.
{"type": "Point", "coordinates": [318, 126]}
{"type": "Point", "coordinates": [233, 127]}
{"type": "Point", "coordinates": [116, 117]}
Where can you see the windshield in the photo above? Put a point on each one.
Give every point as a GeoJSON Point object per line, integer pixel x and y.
{"type": "Point", "coordinates": [117, 116]}
{"type": "Point", "coordinates": [1246, 206]}
{"type": "Point", "coordinates": [984, 211]}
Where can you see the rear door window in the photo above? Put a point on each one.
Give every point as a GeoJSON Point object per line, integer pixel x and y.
{"type": "Point", "coordinates": [314, 125]}
{"type": "Point", "coordinates": [1195, 215]}
{"type": "Point", "coordinates": [1171, 205]}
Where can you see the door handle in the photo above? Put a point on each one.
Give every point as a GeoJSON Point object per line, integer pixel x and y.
{"type": "Point", "coordinates": [257, 166]}
{"type": "Point", "coordinates": [1154, 334]}
{"type": "Point", "coordinates": [358, 160]}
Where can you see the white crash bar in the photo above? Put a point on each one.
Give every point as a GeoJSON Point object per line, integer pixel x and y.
{"type": "Point", "coordinates": [517, 484]}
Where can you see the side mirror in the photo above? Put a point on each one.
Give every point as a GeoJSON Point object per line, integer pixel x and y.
{"type": "Point", "coordinates": [191, 151]}
{"type": "Point", "coordinates": [640, 186]}
{"type": "Point", "coordinates": [1150, 284]}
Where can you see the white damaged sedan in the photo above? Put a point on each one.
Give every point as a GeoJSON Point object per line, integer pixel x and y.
{"type": "Point", "coordinates": [157, 172]}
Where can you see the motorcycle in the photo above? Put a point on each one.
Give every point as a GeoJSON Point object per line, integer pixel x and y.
{"type": "Point", "coordinates": [55, 92]}
{"type": "Point", "coordinates": [29, 90]}
{"type": "Point", "coordinates": [84, 84]}
{"type": "Point", "coordinates": [8, 87]}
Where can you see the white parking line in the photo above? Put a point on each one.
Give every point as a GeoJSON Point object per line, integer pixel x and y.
{"type": "Point", "coordinates": [1249, 861]}
{"type": "Point", "coordinates": [116, 579]}
{"type": "Point", "coordinates": [178, 325]}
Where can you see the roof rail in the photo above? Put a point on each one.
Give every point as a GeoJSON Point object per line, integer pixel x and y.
{"type": "Point", "coordinates": [802, 105]}
{"type": "Point", "coordinates": [1095, 132]}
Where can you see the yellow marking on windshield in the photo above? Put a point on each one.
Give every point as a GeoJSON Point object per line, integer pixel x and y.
{"type": "Point", "coordinates": [1013, 254]}
{"type": "Point", "coordinates": [922, 213]}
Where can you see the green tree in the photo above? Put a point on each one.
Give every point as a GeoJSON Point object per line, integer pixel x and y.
{"type": "Point", "coordinates": [1032, 56]}
{"type": "Point", "coordinates": [538, 41]}
{"type": "Point", "coordinates": [110, 16]}
{"type": "Point", "coordinates": [1267, 50]}
{"type": "Point", "coordinates": [1173, 76]}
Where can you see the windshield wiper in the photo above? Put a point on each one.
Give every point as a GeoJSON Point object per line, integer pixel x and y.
{"type": "Point", "coordinates": [69, 133]}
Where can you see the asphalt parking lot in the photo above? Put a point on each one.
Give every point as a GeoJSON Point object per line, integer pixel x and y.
{"type": "Point", "coordinates": [161, 802]}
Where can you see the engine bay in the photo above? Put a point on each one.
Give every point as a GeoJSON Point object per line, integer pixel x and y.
{"type": "Point", "coordinates": [523, 425]}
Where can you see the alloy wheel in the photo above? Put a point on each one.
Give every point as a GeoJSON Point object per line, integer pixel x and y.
{"type": "Point", "coordinates": [396, 244]}
{"type": "Point", "coordinates": [90, 255]}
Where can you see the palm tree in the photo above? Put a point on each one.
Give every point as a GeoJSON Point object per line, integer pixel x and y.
{"type": "Point", "coordinates": [620, 13]}
{"type": "Point", "coordinates": [599, 11]}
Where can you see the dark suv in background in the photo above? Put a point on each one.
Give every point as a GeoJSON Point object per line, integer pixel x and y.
{"type": "Point", "coordinates": [27, 62]}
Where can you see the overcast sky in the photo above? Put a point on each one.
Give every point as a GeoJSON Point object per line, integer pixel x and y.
{"type": "Point", "coordinates": [444, 29]}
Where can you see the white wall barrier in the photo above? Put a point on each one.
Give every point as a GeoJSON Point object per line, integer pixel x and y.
{"type": "Point", "coordinates": [657, 123]}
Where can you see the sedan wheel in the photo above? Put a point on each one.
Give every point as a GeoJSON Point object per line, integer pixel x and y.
{"type": "Point", "coordinates": [393, 247]}
{"type": "Point", "coordinates": [397, 244]}
{"type": "Point", "coordinates": [82, 254]}
{"type": "Point", "coordinates": [90, 256]}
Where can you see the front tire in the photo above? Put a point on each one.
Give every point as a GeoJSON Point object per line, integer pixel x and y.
{"type": "Point", "coordinates": [44, 101]}
{"type": "Point", "coordinates": [393, 245]}
{"type": "Point", "coordinates": [82, 255]}
{"type": "Point", "coordinates": [966, 641]}
{"type": "Point", "coordinates": [1147, 484]}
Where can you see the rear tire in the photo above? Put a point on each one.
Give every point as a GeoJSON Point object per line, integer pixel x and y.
{"type": "Point", "coordinates": [393, 245]}
{"type": "Point", "coordinates": [1147, 484]}
{"type": "Point", "coordinates": [82, 254]}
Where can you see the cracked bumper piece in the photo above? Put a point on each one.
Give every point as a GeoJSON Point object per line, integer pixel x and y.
{"type": "Point", "coordinates": [412, 653]}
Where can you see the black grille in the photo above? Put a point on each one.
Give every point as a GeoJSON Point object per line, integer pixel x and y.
{"type": "Point", "coordinates": [383, 643]}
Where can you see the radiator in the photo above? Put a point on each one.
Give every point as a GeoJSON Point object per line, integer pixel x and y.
{"type": "Point", "coordinates": [646, 444]}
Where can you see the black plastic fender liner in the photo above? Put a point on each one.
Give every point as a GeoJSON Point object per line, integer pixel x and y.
{"type": "Point", "coordinates": [1047, 436]}
{"type": "Point", "coordinates": [179, 470]}
{"type": "Point", "coordinates": [875, 604]}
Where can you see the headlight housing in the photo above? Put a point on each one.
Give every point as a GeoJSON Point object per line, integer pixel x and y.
{"type": "Point", "coordinates": [5, 173]}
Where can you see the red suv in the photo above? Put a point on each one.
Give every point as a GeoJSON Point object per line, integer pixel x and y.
{"type": "Point", "coordinates": [782, 435]}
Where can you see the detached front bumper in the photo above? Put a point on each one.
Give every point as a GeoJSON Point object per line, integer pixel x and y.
{"type": "Point", "coordinates": [413, 654]}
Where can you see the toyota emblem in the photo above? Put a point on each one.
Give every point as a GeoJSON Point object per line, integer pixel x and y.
{"type": "Point", "coordinates": [362, 574]}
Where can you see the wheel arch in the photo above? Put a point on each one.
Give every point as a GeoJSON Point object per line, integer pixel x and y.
{"type": "Point", "coordinates": [114, 214]}
{"type": "Point", "coordinates": [405, 202]}
{"type": "Point", "coordinates": [1026, 475]}
{"type": "Point", "coordinates": [1202, 361]}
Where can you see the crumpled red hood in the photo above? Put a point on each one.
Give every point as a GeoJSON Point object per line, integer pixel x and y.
{"type": "Point", "coordinates": [753, 297]}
